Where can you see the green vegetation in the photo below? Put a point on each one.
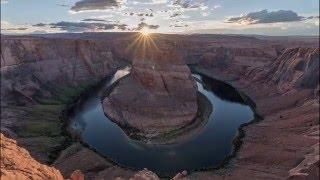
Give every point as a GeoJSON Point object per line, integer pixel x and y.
{"type": "Point", "coordinates": [40, 127]}
{"type": "Point", "coordinates": [63, 95]}
{"type": "Point", "coordinates": [68, 94]}
{"type": "Point", "coordinates": [40, 120]}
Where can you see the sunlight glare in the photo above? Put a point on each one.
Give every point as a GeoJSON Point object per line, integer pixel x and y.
{"type": "Point", "coordinates": [145, 32]}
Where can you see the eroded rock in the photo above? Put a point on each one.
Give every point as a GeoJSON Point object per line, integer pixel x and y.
{"type": "Point", "coordinates": [16, 163]}
{"type": "Point", "coordinates": [159, 96]}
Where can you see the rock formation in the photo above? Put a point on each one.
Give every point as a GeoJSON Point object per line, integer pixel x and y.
{"type": "Point", "coordinates": [282, 145]}
{"type": "Point", "coordinates": [159, 95]}
{"type": "Point", "coordinates": [297, 68]}
{"type": "Point", "coordinates": [34, 69]}
{"type": "Point", "coordinates": [16, 163]}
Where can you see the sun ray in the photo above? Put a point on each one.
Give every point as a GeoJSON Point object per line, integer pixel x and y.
{"type": "Point", "coordinates": [143, 42]}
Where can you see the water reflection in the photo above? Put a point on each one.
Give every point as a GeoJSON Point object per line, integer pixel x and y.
{"type": "Point", "coordinates": [205, 145]}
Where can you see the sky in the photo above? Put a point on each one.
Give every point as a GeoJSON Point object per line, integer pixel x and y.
{"type": "Point", "coordinates": [263, 17]}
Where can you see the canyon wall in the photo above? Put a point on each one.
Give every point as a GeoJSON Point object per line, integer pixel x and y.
{"type": "Point", "coordinates": [35, 69]}
{"type": "Point", "coordinates": [41, 73]}
{"type": "Point", "coordinates": [286, 92]}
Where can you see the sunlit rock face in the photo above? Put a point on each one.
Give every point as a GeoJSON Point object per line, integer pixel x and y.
{"type": "Point", "coordinates": [17, 163]}
{"type": "Point", "coordinates": [158, 96]}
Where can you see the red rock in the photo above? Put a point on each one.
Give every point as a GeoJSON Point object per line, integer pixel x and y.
{"type": "Point", "coordinates": [159, 95]}
{"type": "Point", "coordinates": [16, 163]}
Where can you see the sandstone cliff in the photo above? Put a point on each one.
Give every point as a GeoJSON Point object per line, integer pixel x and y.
{"type": "Point", "coordinates": [296, 68]}
{"type": "Point", "coordinates": [157, 97]}
{"type": "Point", "coordinates": [36, 69]}
{"type": "Point", "coordinates": [39, 76]}
{"type": "Point", "coordinates": [286, 94]}
{"type": "Point", "coordinates": [16, 163]}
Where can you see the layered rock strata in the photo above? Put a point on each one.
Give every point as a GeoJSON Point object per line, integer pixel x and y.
{"type": "Point", "coordinates": [158, 96]}
{"type": "Point", "coordinates": [285, 142]}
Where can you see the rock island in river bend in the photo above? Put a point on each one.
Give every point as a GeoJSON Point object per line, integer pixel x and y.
{"type": "Point", "coordinates": [157, 97]}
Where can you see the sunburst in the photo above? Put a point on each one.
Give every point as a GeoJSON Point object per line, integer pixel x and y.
{"type": "Point", "coordinates": [143, 42]}
{"type": "Point", "coordinates": [145, 32]}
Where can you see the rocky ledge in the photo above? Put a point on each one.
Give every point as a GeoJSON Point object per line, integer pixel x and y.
{"type": "Point", "coordinates": [157, 97]}
{"type": "Point", "coordinates": [16, 163]}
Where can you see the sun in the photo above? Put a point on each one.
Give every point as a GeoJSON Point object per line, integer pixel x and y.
{"type": "Point", "coordinates": [145, 32]}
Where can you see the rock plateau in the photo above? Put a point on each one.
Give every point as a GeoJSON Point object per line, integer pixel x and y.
{"type": "Point", "coordinates": [158, 96]}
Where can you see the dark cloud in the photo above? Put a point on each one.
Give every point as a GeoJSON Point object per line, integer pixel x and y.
{"type": "Point", "coordinates": [15, 29]}
{"type": "Point", "coordinates": [145, 25]}
{"type": "Point", "coordinates": [84, 5]}
{"type": "Point", "coordinates": [313, 17]}
{"type": "Point", "coordinates": [178, 25]}
{"type": "Point", "coordinates": [63, 5]}
{"type": "Point", "coordinates": [93, 19]}
{"type": "Point", "coordinates": [140, 14]}
{"type": "Point", "coordinates": [93, 26]}
{"type": "Point", "coordinates": [149, 15]}
{"type": "Point", "coordinates": [122, 27]}
{"type": "Point", "coordinates": [84, 26]}
{"type": "Point", "coordinates": [40, 25]}
{"type": "Point", "coordinates": [264, 16]}
{"type": "Point", "coordinates": [175, 15]}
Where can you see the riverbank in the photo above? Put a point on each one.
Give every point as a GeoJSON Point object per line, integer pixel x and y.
{"type": "Point", "coordinates": [281, 142]}
{"type": "Point", "coordinates": [93, 128]}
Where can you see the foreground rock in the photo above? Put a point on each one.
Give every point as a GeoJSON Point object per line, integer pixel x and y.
{"type": "Point", "coordinates": [159, 96]}
{"type": "Point", "coordinates": [16, 163]}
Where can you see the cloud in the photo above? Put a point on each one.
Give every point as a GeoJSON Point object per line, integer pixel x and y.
{"type": "Point", "coordinates": [15, 29]}
{"type": "Point", "coordinates": [139, 14]}
{"type": "Point", "coordinates": [85, 27]}
{"type": "Point", "coordinates": [63, 5]}
{"type": "Point", "coordinates": [85, 5]}
{"type": "Point", "coordinates": [9, 28]}
{"type": "Point", "coordinates": [313, 17]}
{"type": "Point", "coordinates": [176, 14]}
{"type": "Point", "coordinates": [149, 2]}
{"type": "Point", "coordinates": [190, 4]}
{"type": "Point", "coordinates": [92, 25]}
{"type": "Point", "coordinates": [40, 25]}
{"type": "Point", "coordinates": [93, 19]}
{"type": "Point", "coordinates": [264, 16]}
{"type": "Point", "coordinates": [145, 25]}
{"type": "Point", "coordinates": [3, 1]}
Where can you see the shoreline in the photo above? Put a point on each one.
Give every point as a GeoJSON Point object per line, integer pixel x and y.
{"type": "Point", "coordinates": [237, 141]}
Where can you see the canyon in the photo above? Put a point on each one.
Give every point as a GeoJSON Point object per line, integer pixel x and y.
{"type": "Point", "coordinates": [158, 96]}
{"type": "Point", "coordinates": [41, 75]}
